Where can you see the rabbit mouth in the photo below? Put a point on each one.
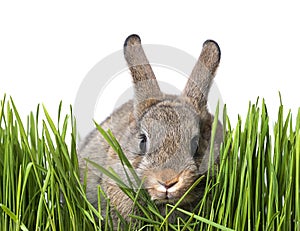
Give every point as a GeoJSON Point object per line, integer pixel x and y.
{"type": "Point", "coordinates": [169, 197]}
{"type": "Point", "coordinates": [162, 194]}
{"type": "Point", "coordinates": [164, 198]}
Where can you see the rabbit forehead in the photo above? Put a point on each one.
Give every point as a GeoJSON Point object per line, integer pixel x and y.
{"type": "Point", "coordinates": [171, 113]}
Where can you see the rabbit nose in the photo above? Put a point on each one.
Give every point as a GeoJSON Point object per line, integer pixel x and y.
{"type": "Point", "coordinates": [168, 184]}
{"type": "Point", "coordinates": [167, 178]}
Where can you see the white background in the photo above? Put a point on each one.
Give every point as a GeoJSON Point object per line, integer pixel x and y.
{"type": "Point", "coordinates": [48, 47]}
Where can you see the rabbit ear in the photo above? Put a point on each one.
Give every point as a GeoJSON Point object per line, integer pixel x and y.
{"type": "Point", "coordinates": [146, 88]}
{"type": "Point", "coordinates": [198, 85]}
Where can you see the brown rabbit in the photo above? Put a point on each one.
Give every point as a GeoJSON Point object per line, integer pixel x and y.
{"type": "Point", "coordinates": [165, 137]}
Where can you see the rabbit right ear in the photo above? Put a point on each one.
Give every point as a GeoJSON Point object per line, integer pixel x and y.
{"type": "Point", "coordinates": [146, 88]}
{"type": "Point", "coordinates": [198, 85]}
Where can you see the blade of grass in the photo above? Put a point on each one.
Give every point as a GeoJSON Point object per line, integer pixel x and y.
{"type": "Point", "coordinates": [205, 220]}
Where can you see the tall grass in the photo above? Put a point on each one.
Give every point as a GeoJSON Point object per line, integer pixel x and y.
{"type": "Point", "coordinates": [256, 185]}
{"type": "Point", "coordinates": [39, 184]}
{"type": "Point", "coordinates": [258, 181]}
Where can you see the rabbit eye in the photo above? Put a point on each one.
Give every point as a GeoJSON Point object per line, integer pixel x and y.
{"type": "Point", "coordinates": [194, 145]}
{"type": "Point", "coordinates": [143, 143]}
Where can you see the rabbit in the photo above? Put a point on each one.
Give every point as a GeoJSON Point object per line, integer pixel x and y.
{"type": "Point", "coordinates": [165, 137]}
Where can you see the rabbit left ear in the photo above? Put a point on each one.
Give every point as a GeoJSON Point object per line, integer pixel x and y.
{"type": "Point", "coordinates": [199, 82]}
{"type": "Point", "coordinates": [146, 88]}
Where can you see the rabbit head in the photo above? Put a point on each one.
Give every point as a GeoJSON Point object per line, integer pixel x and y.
{"type": "Point", "coordinates": [169, 136]}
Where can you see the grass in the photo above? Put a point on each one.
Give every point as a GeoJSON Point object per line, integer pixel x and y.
{"type": "Point", "coordinates": [256, 186]}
